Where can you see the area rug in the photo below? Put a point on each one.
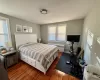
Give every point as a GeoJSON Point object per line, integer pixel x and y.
{"type": "Point", "coordinates": [66, 68]}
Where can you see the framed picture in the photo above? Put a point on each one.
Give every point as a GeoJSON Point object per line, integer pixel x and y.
{"type": "Point", "coordinates": [30, 29]}
{"type": "Point", "coordinates": [25, 29]}
{"type": "Point", "coordinates": [18, 28]}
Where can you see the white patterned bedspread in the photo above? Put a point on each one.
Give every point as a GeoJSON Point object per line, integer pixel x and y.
{"type": "Point", "coordinates": [38, 51]}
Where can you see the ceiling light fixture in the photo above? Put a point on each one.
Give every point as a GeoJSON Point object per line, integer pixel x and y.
{"type": "Point", "coordinates": [44, 11]}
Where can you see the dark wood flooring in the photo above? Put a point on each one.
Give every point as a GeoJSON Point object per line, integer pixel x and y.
{"type": "Point", "coordinates": [23, 71]}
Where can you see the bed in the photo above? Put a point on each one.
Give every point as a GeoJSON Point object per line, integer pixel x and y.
{"type": "Point", "coordinates": [38, 55]}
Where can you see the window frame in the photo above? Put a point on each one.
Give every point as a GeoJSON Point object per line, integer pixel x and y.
{"type": "Point", "coordinates": [48, 32]}
{"type": "Point", "coordinates": [56, 33]}
{"type": "Point", "coordinates": [9, 29]}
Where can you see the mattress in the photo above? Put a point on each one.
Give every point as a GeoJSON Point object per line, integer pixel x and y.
{"type": "Point", "coordinates": [38, 51]}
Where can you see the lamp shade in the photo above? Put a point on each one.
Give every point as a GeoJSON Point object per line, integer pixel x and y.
{"type": "Point", "coordinates": [39, 40]}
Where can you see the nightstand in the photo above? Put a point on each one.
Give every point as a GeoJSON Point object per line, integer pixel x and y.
{"type": "Point", "coordinates": [8, 59]}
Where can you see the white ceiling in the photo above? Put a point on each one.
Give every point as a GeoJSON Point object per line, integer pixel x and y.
{"type": "Point", "coordinates": [58, 10]}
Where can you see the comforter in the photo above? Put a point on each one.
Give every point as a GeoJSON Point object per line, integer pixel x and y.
{"type": "Point", "coordinates": [40, 52]}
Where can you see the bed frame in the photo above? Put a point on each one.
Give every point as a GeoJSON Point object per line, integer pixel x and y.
{"type": "Point", "coordinates": [25, 38]}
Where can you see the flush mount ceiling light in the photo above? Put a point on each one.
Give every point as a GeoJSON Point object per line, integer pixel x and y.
{"type": "Point", "coordinates": [44, 11]}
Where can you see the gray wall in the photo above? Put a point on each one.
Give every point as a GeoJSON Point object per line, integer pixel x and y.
{"type": "Point", "coordinates": [73, 27]}
{"type": "Point", "coordinates": [92, 22]}
{"type": "Point", "coordinates": [13, 21]}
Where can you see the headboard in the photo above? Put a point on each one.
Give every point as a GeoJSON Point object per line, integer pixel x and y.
{"type": "Point", "coordinates": [25, 38]}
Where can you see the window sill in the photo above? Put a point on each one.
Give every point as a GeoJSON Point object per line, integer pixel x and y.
{"type": "Point", "coordinates": [56, 41]}
{"type": "Point", "coordinates": [60, 45]}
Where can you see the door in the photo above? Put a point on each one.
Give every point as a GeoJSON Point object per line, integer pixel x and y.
{"type": "Point", "coordinates": [88, 47]}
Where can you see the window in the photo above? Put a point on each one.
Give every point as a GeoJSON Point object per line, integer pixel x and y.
{"type": "Point", "coordinates": [57, 32]}
{"type": "Point", "coordinates": [90, 38]}
{"type": "Point", "coordinates": [61, 32]}
{"type": "Point", "coordinates": [4, 32]}
{"type": "Point", "coordinates": [52, 33]}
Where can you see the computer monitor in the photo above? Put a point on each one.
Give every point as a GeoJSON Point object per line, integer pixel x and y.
{"type": "Point", "coordinates": [73, 38]}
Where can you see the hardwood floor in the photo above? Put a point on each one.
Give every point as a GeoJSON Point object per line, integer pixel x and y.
{"type": "Point", "coordinates": [23, 71]}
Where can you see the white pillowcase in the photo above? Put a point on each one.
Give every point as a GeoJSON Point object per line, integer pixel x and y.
{"type": "Point", "coordinates": [27, 44]}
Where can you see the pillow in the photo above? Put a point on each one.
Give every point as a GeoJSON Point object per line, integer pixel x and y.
{"type": "Point", "coordinates": [26, 44]}
{"type": "Point", "coordinates": [30, 43]}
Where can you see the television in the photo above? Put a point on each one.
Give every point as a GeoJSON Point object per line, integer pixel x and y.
{"type": "Point", "coordinates": [73, 38]}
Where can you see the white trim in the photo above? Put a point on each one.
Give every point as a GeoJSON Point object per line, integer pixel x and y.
{"type": "Point", "coordinates": [9, 31]}
{"type": "Point", "coordinates": [55, 41]}
{"type": "Point", "coordinates": [48, 31]}
{"type": "Point", "coordinates": [8, 24]}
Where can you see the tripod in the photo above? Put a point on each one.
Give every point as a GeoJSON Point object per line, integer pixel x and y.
{"type": "Point", "coordinates": [72, 52]}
